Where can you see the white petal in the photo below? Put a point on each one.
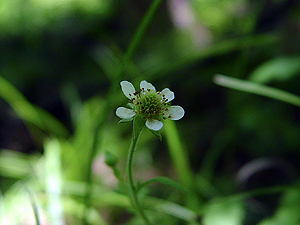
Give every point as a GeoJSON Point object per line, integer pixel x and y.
{"type": "Point", "coordinates": [124, 113]}
{"type": "Point", "coordinates": [168, 94]}
{"type": "Point", "coordinates": [128, 89]}
{"type": "Point", "coordinates": [154, 124]}
{"type": "Point", "coordinates": [175, 112]}
{"type": "Point", "coordinates": [144, 84]}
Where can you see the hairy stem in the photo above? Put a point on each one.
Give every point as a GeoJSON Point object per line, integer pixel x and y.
{"type": "Point", "coordinates": [132, 190]}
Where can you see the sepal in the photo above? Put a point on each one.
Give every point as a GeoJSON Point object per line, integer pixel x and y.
{"type": "Point", "coordinates": [130, 105]}
{"type": "Point", "coordinates": [126, 120]}
{"type": "Point", "coordinates": [138, 124]}
{"type": "Point", "coordinates": [157, 134]}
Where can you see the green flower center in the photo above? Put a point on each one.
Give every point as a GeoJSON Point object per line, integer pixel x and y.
{"type": "Point", "coordinates": [150, 104]}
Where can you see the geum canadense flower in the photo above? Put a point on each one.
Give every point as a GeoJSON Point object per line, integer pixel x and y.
{"type": "Point", "coordinates": [154, 106]}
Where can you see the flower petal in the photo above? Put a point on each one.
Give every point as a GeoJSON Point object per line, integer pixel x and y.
{"type": "Point", "coordinates": [124, 113]}
{"type": "Point", "coordinates": [154, 124]}
{"type": "Point", "coordinates": [168, 94]}
{"type": "Point", "coordinates": [128, 89]}
{"type": "Point", "coordinates": [144, 84]}
{"type": "Point", "coordinates": [174, 112]}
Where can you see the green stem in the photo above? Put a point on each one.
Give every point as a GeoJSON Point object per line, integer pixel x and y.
{"type": "Point", "coordinates": [140, 31]}
{"type": "Point", "coordinates": [132, 190]}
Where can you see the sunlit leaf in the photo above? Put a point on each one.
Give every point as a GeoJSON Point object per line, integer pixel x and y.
{"type": "Point", "coordinates": [224, 211]}
{"type": "Point", "coordinates": [53, 184]}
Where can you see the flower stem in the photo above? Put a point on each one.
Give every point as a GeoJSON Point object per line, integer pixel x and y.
{"type": "Point", "coordinates": [132, 190]}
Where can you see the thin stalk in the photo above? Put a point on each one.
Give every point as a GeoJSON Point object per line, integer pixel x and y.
{"type": "Point", "coordinates": [140, 31]}
{"type": "Point", "coordinates": [132, 190]}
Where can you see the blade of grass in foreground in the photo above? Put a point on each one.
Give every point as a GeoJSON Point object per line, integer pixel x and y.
{"type": "Point", "coordinates": [259, 89]}
{"type": "Point", "coordinates": [53, 181]}
{"type": "Point", "coordinates": [178, 154]}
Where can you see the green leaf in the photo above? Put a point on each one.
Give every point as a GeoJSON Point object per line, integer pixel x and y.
{"type": "Point", "coordinates": [157, 134]}
{"type": "Point", "coordinates": [138, 124]}
{"type": "Point", "coordinates": [221, 211]}
{"type": "Point", "coordinates": [281, 68]}
{"type": "Point", "coordinates": [126, 120]}
{"type": "Point", "coordinates": [288, 210]}
{"type": "Point", "coordinates": [31, 113]}
{"type": "Point", "coordinates": [166, 181]}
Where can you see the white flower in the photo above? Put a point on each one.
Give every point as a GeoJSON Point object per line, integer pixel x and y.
{"type": "Point", "coordinates": [152, 105]}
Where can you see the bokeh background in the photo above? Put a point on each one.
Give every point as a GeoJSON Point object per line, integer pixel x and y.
{"type": "Point", "coordinates": [63, 57]}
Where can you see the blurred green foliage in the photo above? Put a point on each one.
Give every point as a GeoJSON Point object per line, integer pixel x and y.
{"type": "Point", "coordinates": [60, 65]}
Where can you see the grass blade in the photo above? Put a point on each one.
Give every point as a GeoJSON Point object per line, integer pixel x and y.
{"type": "Point", "coordinates": [259, 89]}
